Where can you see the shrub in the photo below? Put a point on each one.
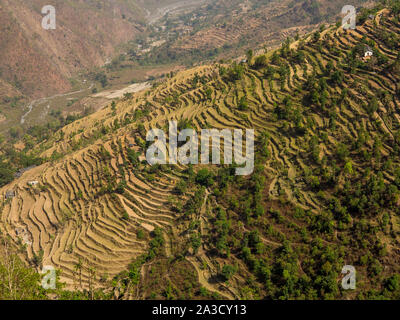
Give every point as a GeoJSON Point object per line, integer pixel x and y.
{"type": "Point", "coordinates": [228, 271]}
{"type": "Point", "coordinates": [205, 178]}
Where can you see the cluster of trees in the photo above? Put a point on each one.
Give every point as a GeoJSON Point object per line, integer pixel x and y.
{"type": "Point", "coordinates": [17, 281]}
{"type": "Point", "coordinates": [102, 78]}
{"type": "Point", "coordinates": [233, 73]}
{"type": "Point", "coordinates": [6, 173]}
{"type": "Point", "coordinates": [12, 160]}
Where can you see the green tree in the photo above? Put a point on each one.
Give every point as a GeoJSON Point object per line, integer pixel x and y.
{"type": "Point", "coordinates": [205, 178]}
{"type": "Point", "coordinates": [18, 282]}
{"type": "Point", "coordinates": [261, 61]}
{"type": "Point", "coordinates": [6, 174]}
{"type": "Point", "coordinates": [228, 271]}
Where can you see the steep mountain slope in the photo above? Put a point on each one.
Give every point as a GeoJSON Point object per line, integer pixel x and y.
{"type": "Point", "coordinates": [40, 62]}
{"type": "Point", "coordinates": [324, 194]}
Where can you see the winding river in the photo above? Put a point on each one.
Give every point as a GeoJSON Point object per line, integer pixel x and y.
{"type": "Point", "coordinates": [43, 100]}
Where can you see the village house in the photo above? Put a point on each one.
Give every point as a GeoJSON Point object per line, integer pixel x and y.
{"type": "Point", "coordinates": [368, 52]}
{"type": "Point", "coordinates": [33, 183]}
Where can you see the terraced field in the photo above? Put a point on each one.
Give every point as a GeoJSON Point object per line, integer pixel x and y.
{"type": "Point", "coordinates": [79, 220]}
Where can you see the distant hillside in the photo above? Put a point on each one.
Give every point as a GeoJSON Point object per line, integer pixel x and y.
{"type": "Point", "coordinates": [37, 62]}
{"type": "Point", "coordinates": [227, 27]}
